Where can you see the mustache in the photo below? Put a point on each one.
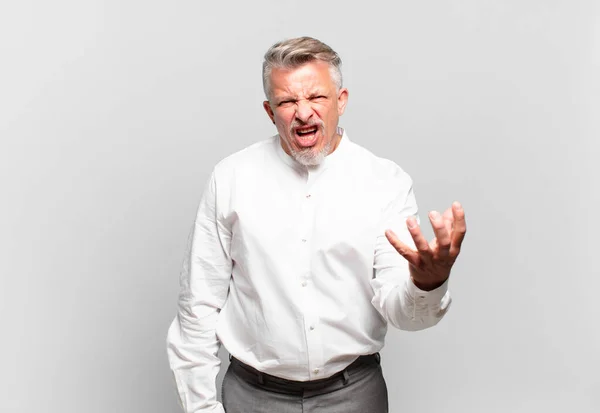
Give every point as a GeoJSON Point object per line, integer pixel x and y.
{"type": "Point", "coordinates": [296, 124]}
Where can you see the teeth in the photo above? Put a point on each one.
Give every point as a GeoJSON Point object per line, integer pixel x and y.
{"type": "Point", "coordinates": [306, 132]}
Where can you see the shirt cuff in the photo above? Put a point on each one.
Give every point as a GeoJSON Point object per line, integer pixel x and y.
{"type": "Point", "coordinates": [427, 297]}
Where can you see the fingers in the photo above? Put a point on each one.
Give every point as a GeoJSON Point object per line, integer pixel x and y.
{"type": "Point", "coordinates": [409, 254]}
{"type": "Point", "coordinates": [442, 235]}
{"type": "Point", "coordinates": [448, 220]}
{"type": "Point", "coordinates": [449, 229]}
{"type": "Point", "coordinates": [417, 236]}
{"type": "Point", "coordinates": [459, 230]}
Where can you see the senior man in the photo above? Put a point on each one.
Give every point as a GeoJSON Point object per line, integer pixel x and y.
{"type": "Point", "coordinates": [305, 247]}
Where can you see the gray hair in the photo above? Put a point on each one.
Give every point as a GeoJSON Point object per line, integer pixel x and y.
{"type": "Point", "coordinates": [293, 53]}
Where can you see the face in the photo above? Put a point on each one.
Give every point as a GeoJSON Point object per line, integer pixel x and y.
{"type": "Point", "coordinates": [305, 106]}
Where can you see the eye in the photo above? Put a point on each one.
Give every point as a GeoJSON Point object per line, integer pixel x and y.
{"type": "Point", "coordinates": [285, 103]}
{"type": "Point", "coordinates": [318, 97]}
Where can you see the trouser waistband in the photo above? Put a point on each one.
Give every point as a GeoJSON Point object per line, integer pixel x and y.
{"type": "Point", "coordinates": [253, 375]}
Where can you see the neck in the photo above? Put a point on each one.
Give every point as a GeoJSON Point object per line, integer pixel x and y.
{"type": "Point", "coordinates": [336, 142]}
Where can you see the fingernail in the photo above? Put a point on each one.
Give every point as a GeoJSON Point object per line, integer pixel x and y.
{"type": "Point", "coordinates": [411, 223]}
{"type": "Point", "coordinates": [434, 215]}
{"type": "Point", "coordinates": [457, 205]}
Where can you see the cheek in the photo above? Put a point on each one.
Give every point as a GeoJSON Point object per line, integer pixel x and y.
{"type": "Point", "coordinates": [327, 113]}
{"type": "Point", "coordinates": [283, 118]}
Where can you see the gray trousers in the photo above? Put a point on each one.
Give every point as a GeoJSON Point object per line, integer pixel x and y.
{"type": "Point", "coordinates": [360, 388]}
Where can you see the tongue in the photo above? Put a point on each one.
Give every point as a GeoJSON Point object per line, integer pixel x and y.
{"type": "Point", "coordinates": [306, 140]}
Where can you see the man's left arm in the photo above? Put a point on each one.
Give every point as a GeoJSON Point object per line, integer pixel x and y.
{"type": "Point", "coordinates": [411, 274]}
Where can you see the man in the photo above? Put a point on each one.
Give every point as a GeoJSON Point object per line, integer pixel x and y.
{"type": "Point", "coordinates": [301, 254]}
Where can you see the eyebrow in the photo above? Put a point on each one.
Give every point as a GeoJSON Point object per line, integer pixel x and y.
{"type": "Point", "coordinates": [284, 99]}
{"type": "Point", "coordinates": [316, 93]}
{"type": "Point", "coordinates": [288, 98]}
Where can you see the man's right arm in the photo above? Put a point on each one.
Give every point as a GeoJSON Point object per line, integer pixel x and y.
{"type": "Point", "coordinates": [192, 343]}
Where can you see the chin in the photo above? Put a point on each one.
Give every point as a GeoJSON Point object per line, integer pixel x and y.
{"type": "Point", "coordinates": [310, 160]}
{"type": "Point", "coordinates": [310, 156]}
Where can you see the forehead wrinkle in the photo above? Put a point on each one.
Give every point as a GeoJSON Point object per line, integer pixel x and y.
{"type": "Point", "coordinates": [301, 83]}
{"type": "Point", "coordinates": [297, 90]}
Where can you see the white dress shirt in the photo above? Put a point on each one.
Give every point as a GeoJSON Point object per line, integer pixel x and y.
{"type": "Point", "coordinates": [289, 268]}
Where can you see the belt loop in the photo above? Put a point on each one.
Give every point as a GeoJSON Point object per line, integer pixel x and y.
{"type": "Point", "coordinates": [378, 358]}
{"type": "Point", "coordinates": [230, 357]}
{"type": "Point", "coordinates": [261, 379]}
{"type": "Point", "coordinates": [346, 377]}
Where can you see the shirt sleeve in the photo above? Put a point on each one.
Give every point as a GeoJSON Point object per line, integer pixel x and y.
{"type": "Point", "coordinates": [396, 297]}
{"type": "Point", "coordinates": [192, 342]}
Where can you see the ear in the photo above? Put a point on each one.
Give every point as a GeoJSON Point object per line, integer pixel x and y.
{"type": "Point", "coordinates": [342, 100]}
{"type": "Point", "coordinates": [269, 111]}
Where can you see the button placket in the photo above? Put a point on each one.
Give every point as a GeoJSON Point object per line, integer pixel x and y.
{"type": "Point", "coordinates": [310, 308]}
{"type": "Point", "coordinates": [308, 217]}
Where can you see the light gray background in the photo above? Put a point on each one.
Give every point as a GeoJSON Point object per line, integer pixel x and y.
{"type": "Point", "coordinates": [112, 114]}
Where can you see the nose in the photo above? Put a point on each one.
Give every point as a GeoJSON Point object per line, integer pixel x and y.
{"type": "Point", "coordinates": [304, 111]}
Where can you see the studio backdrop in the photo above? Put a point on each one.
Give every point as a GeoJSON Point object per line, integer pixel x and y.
{"type": "Point", "coordinates": [113, 113]}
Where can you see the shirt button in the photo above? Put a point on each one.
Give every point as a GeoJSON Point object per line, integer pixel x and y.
{"type": "Point", "coordinates": [316, 371]}
{"type": "Point", "coordinates": [304, 283]}
{"type": "Point", "coordinates": [311, 328]}
{"type": "Point", "coordinates": [308, 196]}
{"type": "Point", "coordinates": [303, 240]}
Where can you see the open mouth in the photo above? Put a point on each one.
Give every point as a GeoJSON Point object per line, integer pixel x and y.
{"type": "Point", "coordinates": [306, 135]}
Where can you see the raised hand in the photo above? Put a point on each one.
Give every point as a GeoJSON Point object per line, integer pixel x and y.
{"type": "Point", "coordinates": [431, 263]}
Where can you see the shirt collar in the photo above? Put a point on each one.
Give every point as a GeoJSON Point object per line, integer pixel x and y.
{"type": "Point", "coordinates": [329, 160]}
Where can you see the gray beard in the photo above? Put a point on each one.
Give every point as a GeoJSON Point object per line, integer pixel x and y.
{"type": "Point", "coordinates": [308, 157]}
